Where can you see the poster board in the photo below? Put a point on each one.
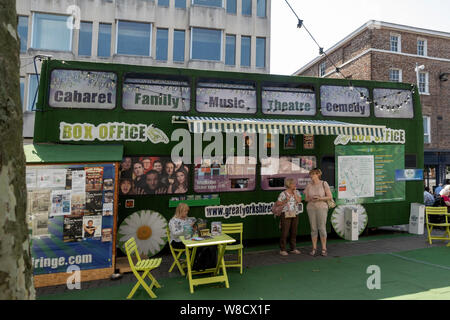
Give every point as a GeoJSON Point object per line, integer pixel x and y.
{"type": "Point", "coordinates": [366, 174]}
{"type": "Point", "coordinates": [72, 222]}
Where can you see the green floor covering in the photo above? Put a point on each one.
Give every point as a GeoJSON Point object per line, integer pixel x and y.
{"type": "Point", "coordinates": [417, 274]}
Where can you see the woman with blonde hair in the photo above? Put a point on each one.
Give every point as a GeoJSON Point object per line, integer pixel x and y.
{"type": "Point", "coordinates": [290, 198]}
{"type": "Point", "coordinates": [177, 223]}
{"type": "Point", "coordinates": [317, 194]}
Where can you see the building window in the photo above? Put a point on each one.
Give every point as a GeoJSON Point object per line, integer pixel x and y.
{"type": "Point", "coordinates": [162, 42]}
{"type": "Point", "coordinates": [133, 38]}
{"type": "Point", "coordinates": [421, 47]}
{"type": "Point", "coordinates": [260, 52]}
{"type": "Point", "coordinates": [246, 7]}
{"type": "Point", "coordinates": [178, 45]}
{"type": "Point", "coordinates": [22, 92]}
{"type": "Point", "coordinates": [230, 54]}
{"type": "Point", "coordinates": [208, 3]}
{"type": "Point", "coordinates": [22, 30]}
{"type": "Point", "coordinates": [426, 129]}
{"type": "Point", "coordinates": [261, 8]}
{"type": "Point", "coordinates": [231, 6]}
{"type": "Point", "coordinates": [245, 51]}
{"type": "Point", "coordinates": [163, 3]}
{"type": "Point", "coordinates": [395, 75]}
{"type": "Point", "coordinates": [33, 84]}
{"type": "Point", "coordinates": [395, 43]}
{"type": "Point", "coordinates": [50, 32]}
{"type": "Point", "coordinates": [206, 44]}
{"type": "Point", "coordinates": [85, 39]}
{"type": "Point", "coordinates": [423, 82]}
{"type": "Point", "coordinates": [180, 4]}
{"type": "Point", "coordinates": [104, 40]}
{"type": "Point", "coordinates": [322, 69]}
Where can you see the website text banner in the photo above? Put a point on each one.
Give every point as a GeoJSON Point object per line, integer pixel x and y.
{"type": "Point", "coordinates": [366, 174]}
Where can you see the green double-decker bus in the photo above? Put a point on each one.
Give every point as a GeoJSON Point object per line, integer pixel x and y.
{"type": "Point", "coordinates": [225, 142]}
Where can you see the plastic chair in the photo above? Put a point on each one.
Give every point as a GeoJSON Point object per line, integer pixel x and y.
{"type": "Point", "coordinates": [234, 228]}
{"type": "Point", "coordinates": [145, 265]}
{"type": "Point", "coordinates": [442, 211]}
{"type": "Point", "coordinates": [176, 253]}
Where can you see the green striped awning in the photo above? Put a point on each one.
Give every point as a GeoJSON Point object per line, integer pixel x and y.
{"type": "Point", "coordinates": [280, 126]}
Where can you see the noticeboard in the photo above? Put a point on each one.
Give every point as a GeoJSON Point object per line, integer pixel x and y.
{"type": "Point", "coordinates": [366, 174]}
{"type": "Point", "coordinates": [71, 216]}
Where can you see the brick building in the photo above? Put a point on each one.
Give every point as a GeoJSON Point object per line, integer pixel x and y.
{"type": "Point", "coordinates": [390, 52]}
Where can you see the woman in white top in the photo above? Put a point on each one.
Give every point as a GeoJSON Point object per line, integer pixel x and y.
{"type": "Point", "coordinates": [177, 223]}
{"type": "Point", "coordinates": [290, 198]}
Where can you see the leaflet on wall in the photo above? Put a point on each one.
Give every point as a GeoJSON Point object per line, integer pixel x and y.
{"type": "Point", "coordinates": [51, 178]}
{"type": "Point", "coordinates": [40, 201]}
{"type": "Point", "coordinates": [40, 224]}
{"type": "Point", "coordinates": [61, 202]}
{"type": "Point", "coordinates": [78, 182]}
{"type": "Point", "coordinates": [226, 98]}
{"type": "Point", "coordinates": [94, 178]}
{"type": "Point", "coordinates": [82, 89]}
{"type": "Point", "coordinates": [340, 101]}
{"type": "Point", "coordinates": [285, 101]}
{"type": "Point", "coordinates": [92, 227]}
{"type": "Point", "coordinates": [31, 178]}
{"type": "Point", "coordinates": [72, 229]}
{"type": "Point", "coordinates": [156, 95]}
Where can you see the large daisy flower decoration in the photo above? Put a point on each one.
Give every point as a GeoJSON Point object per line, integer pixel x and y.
{"type": "Point", "coordinates": [148, 228]}
{"type": "Point", "coordinates": [338, 221]}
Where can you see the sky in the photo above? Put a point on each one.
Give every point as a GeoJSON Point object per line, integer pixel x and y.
{"type": "Point", "coordinates": [329, 21]}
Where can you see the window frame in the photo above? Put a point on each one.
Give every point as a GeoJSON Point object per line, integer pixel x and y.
{"type": "Point", "coordinates": [400, 75]}
{"type": "Point", "coordinates": [192, 42]}
{"type": "Point", "coordinates": [265, 9]}
{"type": "Point", "coordinates": [251, 8]}
{"type": "Point", "coordinates": [399, 42]}
{"type": "Point", "coordinates": [130, 54]}
{"type": "Point", "coordinates": [184, 46]}
{"type": "Point", "coordinates": [427, 134]}
{"type": "Point", "coordinates": [30, 96]}
{"type": "Point", "coordinates": [28, 31]}
{"type": "Point", "coordinates": [425, 47]}
{"type": "Point", "coordinates": [92, 38]}
{"type": "Point", "coordinates": [235, 7]}
{"type": "Point", "coordinates": [110, 38]}
{"type": "Point", "coordinates": [33, 31]}
{"type": "Point", "coordinates": [426, 84]}
{"type": "Point", "coordinates": [263, 52]}
{"type": "Point", "coordinates": [207, 6]}
{"type": "Point", "coordinates": [322, 69]}
{"type": "Point", "coordinates": [226, 55]}
{"type": "Point", "coordinates": [250, 53]}
{"type": "Point", "coordinates": [167, 45]}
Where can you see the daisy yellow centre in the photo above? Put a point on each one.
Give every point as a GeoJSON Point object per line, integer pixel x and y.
{"type": "Point", "coordinates": [144, 232]}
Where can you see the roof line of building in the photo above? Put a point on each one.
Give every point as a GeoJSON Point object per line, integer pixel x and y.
{"type": "Point", "coordinates": [368, 25]}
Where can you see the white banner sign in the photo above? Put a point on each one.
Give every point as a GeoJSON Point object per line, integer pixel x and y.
{"type": "Point", "coordinates": [389, 136]}
{"type": "Point", "coordinates": [142, 94]}
{"type": "Point", "coordinates": [226, 100]}
{"type": "Point", "coordinates": [288, 103]}
{"type": "Point", "coordinates": [393, 103]}
{"type": "Point", "coordinates": [82, 89]}
{"type": "Point", "coordinates": [344, 102]}
{"type": "Point", "coordinates": [239, 210]}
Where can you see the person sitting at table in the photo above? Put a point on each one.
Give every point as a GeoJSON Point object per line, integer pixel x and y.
{"type": "Point", "coordinates": [177, 223]}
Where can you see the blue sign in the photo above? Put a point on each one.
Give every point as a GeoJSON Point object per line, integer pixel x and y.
{"type": "Point", "coordinates": [409, 175]}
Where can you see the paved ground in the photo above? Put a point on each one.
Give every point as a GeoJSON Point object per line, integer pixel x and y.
{"type": "Point", "coordinates": [389, 243]}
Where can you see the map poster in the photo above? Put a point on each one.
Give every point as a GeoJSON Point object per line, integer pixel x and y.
{"type": "Point", "coordinates": [356, 177]}
{"type": "Point", "coordinates": [355, 171]}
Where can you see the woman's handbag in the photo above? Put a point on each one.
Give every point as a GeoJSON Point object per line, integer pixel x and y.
{"type": "Point", "coordinates": [277, 209]}
{"type": "Point", "coordinates": [290, 214]}
{"type": "Point", "coordinates": [331, 204]}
